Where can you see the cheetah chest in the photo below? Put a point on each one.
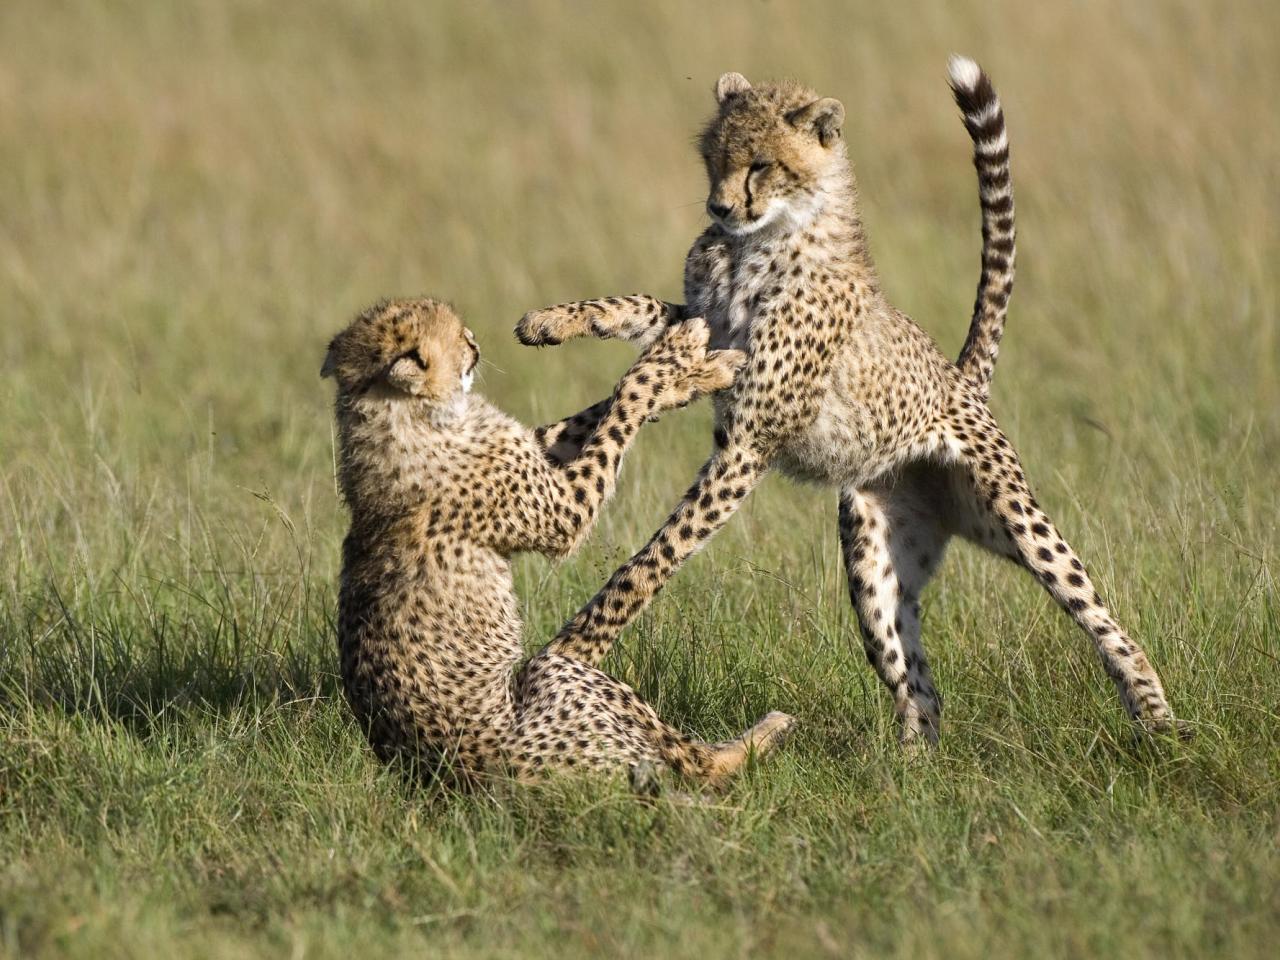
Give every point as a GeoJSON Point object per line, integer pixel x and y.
{"type": "Point", "coordinates": [737, 291]}
{"type": "Point", "coordinates": [838, 445]}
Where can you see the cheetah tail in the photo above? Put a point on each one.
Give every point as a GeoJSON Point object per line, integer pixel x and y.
{"type": "Point", "coordinates": [984, 119]}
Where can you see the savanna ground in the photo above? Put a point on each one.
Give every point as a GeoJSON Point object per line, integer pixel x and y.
{"type": "Point", "coordinates": [193, 197]}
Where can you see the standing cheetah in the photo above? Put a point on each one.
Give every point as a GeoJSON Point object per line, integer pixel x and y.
{"type": "Point", "coordinates": [443, 489]}
{"type": "Point", "coordinates": [841, 388]}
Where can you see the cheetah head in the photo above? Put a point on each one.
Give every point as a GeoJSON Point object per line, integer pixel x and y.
{"type": "Point", "coordinates": [772, 153]}
{"type": "Point", "coordinates": [416, 348]}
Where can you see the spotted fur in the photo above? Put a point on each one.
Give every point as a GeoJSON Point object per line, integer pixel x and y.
{"type": "Point", "coordinates": [842, 389]}
{"type": "Point", "coordinates": [443, 488]}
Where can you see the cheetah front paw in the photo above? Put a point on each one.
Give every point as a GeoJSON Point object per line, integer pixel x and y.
{"type": "Point", "coordinates": [694, 370]}
{"type": "Point", "coordinates": [717, 371]}
{"type": "Point", "coordinates": [551, 326]}
{"type": "Point", "coordinates": [646, 779]}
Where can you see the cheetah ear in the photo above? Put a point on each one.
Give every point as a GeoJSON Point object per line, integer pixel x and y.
{"type": "Point", "coordinates": [330, 366]}
{"type": "Point", "coordinates": [823, 117]}
{"type": "Point", "coordinates": [729, 85]}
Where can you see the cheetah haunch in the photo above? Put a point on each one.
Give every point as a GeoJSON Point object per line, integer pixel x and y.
{"type": "Point", "coordinates": [443, 488]}
{"type": "Point", "coordinates": [843, 389]}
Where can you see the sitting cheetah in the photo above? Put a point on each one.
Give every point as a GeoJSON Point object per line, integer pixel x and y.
{"type": "Point", "coordinates": [843, 389]}
{"type": "Point", "coordinates": [443, 489]}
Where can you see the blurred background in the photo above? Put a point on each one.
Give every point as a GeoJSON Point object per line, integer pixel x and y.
{"type": "Point", "coordinates": [195, 196]}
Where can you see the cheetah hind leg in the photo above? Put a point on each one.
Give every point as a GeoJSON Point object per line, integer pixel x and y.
{"type": "Point", "coordinates": [571, 714]}
{"type": "Point", "coordinates": [892, 541]}
{"type": "Point", "coordinates": [727, 758]}
{"type": "Point", "coordinates": [994, 507]}
{"type": "Point", "coordinates": [711, 765]}
{"type": "Point", "coordinates": [716, 763]}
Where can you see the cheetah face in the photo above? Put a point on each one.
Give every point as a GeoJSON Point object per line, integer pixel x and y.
{"type": "Point", "coordinates": [769, 154]}
{"type": "Point", "coordinates": [404, 348]}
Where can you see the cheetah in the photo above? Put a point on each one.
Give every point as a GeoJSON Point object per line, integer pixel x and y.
{"type": "Point", "coordinates": [842, 389]}
{"type": "Point", "coordinates": [442, 489]}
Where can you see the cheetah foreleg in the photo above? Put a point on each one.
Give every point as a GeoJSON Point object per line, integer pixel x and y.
{"type": "Point", "coordinates": [675, 370]}
{"type": "Point", "coordinates": [562, 441]}
{"type": "Point", "coordinates": [638, 319]}
{"type": "Point", "coordinates": [722, 485]}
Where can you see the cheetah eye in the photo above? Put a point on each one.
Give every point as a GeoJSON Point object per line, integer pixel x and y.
{"type": "Point", "coordinates": [413, 355]}
{"type": "Point", "coordinates": [760, 166]}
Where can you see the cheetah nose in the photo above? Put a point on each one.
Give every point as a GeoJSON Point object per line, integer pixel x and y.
{"type": "Point", "coordinates": [718, 210]}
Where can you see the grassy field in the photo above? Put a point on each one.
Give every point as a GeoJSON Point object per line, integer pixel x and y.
{"type": "Point", "coordinates": [193, 197]}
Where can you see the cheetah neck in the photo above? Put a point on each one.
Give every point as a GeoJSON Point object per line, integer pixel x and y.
{"type": "Point", "coordinates": [824, 246]}
{"type": "Point", "coordinates": [825, 229]}
{"type": "Point", "coordinates": [389, 449]}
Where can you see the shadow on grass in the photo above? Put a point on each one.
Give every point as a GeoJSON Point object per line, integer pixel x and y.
{"type": "Point", "coordinates": [135, 660]}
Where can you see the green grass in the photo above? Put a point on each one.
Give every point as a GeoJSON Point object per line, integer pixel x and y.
{"type": "Point", "coordinates": [193, 197]}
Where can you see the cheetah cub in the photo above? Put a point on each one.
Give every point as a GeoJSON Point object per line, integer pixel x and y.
{"type": "Point", "coordinates": [843, 389]}
{"type": "Point", "coordinates": [442, 489]}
